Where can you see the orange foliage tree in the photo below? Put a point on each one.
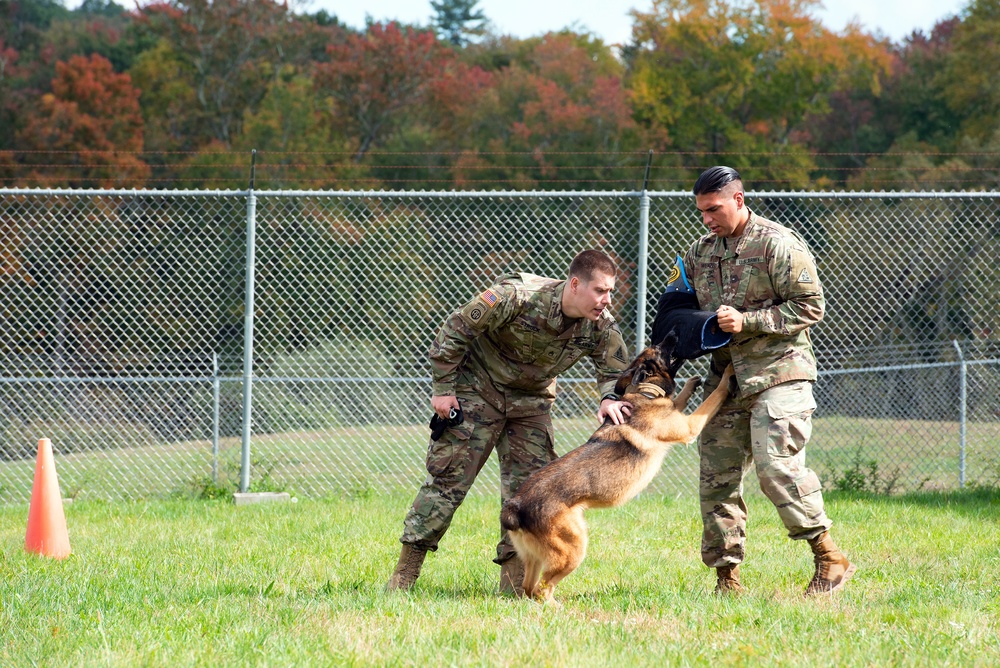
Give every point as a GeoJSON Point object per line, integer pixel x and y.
{"type": "Point", "coordinates": [87, 131]}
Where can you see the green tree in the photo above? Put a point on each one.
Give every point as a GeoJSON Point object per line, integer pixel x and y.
{"type": "Point", "coordinates": [226, 51]}
{"type": "Point", "coordinates": [970, 81]}
{"type": "Point", "coordinates": [457, 21]}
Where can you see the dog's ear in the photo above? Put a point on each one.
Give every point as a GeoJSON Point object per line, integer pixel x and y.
{"type": "Point", "coordinates": [675, 366]}
{"type": "Point", "coordinates": [624, 380]}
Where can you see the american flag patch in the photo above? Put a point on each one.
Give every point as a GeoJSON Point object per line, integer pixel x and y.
{"type": "Point", "coordinates": [491, 298]}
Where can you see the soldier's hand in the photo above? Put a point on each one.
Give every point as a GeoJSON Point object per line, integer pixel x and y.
{"type": "Point", "coordinates": [443, 404]}
{"type": "Point", "coordinates": [616, 410]}
{"type": "Point", "coordinates": [730, 320]}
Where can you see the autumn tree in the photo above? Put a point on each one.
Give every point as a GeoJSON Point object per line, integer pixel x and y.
{"type": "Point", "coordinates": [909, 113]}
{"type": "Point", "coordinates": [738, 77]}
{"type": "Point", "coordinates": [377, 78]}
{"type": "Point", "coordinates": [554, 113]}
{"type": "Point", "coordinates": [88, 130]}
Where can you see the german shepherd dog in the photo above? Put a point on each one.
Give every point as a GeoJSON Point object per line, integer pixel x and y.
{"type": "Point", "coordinates": [545, 516]}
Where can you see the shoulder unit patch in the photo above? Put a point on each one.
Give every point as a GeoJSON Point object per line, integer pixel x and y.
{"type": "Point", "coordinates": [804, 276]}
{"type": "Point", "coordinates": [619, 354]}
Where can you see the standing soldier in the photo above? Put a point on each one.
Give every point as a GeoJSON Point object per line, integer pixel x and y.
{"type": "Point", "coordinates": [761, 280]}
{"type": "Point", "coordinates": [496, 360]}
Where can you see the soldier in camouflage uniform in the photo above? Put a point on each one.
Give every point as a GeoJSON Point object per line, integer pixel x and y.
{"type": "Point", "coordinates": [497, 358]}
{"type": "Point", "coordinates": [761, 280]}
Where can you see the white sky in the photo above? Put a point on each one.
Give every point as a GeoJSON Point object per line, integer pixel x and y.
{"type": "Point", "coordinates": [609, 19]}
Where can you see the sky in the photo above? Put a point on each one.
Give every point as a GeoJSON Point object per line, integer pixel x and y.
{"type": "Point", "coordinates": [610, 20]}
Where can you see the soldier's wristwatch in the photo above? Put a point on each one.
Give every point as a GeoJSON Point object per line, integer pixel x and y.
{"type": "Point", "coordinates": [612, 396]}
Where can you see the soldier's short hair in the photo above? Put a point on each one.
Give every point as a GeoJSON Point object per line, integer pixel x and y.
{"type": "Point", "coordinates": [714, 179]}
{"type": "Point", "coordinates": [586, 263]}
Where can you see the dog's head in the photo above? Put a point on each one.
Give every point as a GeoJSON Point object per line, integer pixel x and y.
{"type": "Point", "coordinates": [656, 365]}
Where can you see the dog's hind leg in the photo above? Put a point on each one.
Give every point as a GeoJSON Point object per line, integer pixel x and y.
{"type": "Point", "coordinates": [572, 539]}
{"type": "Point", "coordinates": [532, 573]}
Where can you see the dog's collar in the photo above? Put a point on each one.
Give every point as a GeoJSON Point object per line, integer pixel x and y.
{"type": "Point", "coordinates": [650, 391]}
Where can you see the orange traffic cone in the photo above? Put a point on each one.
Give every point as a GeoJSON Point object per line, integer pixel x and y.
{"type": "Point", "coordinates": [47, 533]}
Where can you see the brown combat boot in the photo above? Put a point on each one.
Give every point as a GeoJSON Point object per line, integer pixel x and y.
{"type": "Point", "coordinates": [411, 558]}
{"type": "Point", "coordinates": [512, 577]}
{"type": "Point", "coordinates": [833, 569]}
{"type": "Point", "coordinates": [729, 580]}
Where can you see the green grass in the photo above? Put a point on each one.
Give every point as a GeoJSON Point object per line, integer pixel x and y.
{"type": "Point", "coordinates": [181, 582]}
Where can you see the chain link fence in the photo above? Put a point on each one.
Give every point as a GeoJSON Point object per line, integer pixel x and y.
{"type": "Point", "coordinates": [124, 336]}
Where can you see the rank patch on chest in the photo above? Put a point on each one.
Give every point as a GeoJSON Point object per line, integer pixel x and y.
{"type": "Point", "coordinates": [804, 276]}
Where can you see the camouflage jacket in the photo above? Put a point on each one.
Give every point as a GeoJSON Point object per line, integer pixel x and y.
{"type": "Point", "coordinates": [768, 274]}
{"type": "Point", "coordinates": [510, 343]}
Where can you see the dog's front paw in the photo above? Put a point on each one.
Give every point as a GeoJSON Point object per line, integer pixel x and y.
{"type": "Point", "coordinates": [694, 383]}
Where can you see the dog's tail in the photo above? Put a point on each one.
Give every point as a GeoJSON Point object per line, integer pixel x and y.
{"type": "Point", "coordinates": [510, 515]}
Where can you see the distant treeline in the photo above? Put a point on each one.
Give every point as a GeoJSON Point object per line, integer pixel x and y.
{"type": "Point", "coordinates": [178, 93]}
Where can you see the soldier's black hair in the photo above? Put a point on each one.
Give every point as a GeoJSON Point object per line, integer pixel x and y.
{"type": "Point", "coordinates": [586, 263]}
{"type": "Point", "coordinates": [714, 179]}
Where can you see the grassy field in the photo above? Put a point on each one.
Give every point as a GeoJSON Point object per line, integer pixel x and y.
{"type": "Point", "coordinates": [915, 454]}
{"type": "Point", "coordinates": [183, 582]}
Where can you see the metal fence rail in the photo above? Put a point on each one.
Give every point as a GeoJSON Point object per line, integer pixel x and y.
{"type": "Point", "coordinates": [125, 335]}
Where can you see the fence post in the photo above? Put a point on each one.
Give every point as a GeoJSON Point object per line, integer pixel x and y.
{"type": "Point", "coordinates": [640, 316]}
{"type": "Point", "coordinates": [248, 329]}
{"type": "Point", "coordinates": [962, 407]}
{"type": "Point", "coordinates": [215, 418]}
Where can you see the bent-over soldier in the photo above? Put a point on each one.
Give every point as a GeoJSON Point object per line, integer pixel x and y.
{"type": "Point", "coordinates": [496, 359]}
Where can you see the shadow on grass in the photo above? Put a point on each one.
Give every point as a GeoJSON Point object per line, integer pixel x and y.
{"type": "Point", "coordinates": [979, 502]}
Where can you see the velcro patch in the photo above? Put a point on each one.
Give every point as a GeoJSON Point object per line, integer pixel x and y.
{"type": "Point", "coordinates": [750, 260]}
{"type": "Point", "coordinates": [619, 354]}
{"type": "Point", "coordinates": [616, 354]}
{"type": "Point", "coordinates": [491, 298]}
{"type": "Point", "coordinates": [804, 277]}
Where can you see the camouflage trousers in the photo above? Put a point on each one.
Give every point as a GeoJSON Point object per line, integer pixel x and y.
{"type": "Point", "coordinates": [769, 429]}
{"type": "Point", "coordinates": [523, 445]}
